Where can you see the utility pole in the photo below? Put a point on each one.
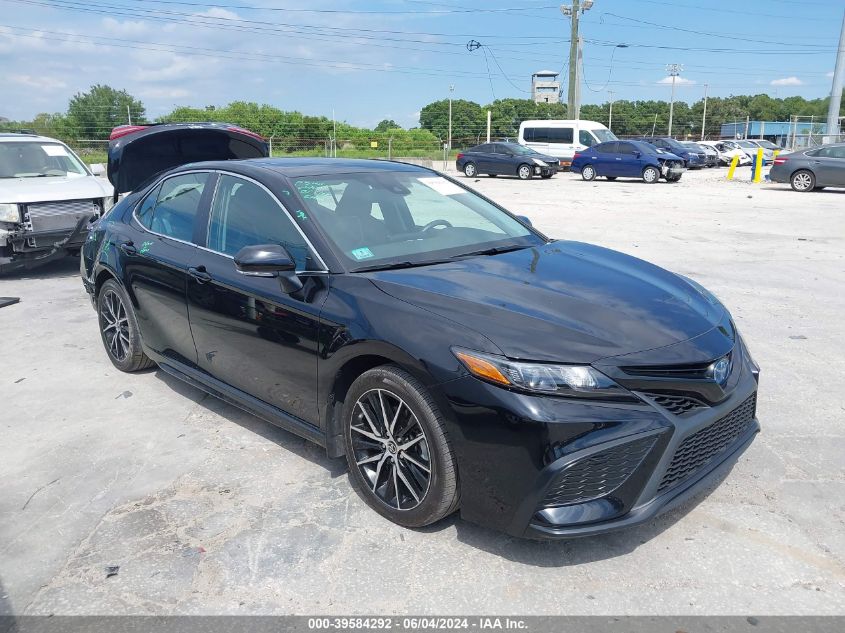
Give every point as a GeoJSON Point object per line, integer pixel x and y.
{"type": "Point", "coordinates": [128, 114]}
{"type": "Point", "coordinates": [449, 140]}
{"type": "Point", "coordinates": [704, 115]}
{"type": "Point", "coordinates": [610, 116]}
{"type": "Point", "coordinates": [674, 70]}
{"type": "Point", "coordinates": [573, 11]}
{"type": "Point", "coordinates": [836, 89]}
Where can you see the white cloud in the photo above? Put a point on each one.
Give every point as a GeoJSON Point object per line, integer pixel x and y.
{"type": "Point", "coordinates": [163, 93]}
{"type": "Point", "coordinates": [678, 81]}
{"type": "Point", "coordinates": [38, 83]}
{"type": "Point", "coordinates": [787, 81]}
{"type": "Point", "coordinates": [124, 28]}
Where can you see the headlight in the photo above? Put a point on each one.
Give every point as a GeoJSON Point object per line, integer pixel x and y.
{"type": "Point", "coordinates": [9, 213]}
{"type": "Point", "coordinates": [562, 380]}
{"type": "Point", "coordinates": [539, 162]}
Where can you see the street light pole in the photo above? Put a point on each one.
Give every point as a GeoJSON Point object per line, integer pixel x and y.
{"type": "Point", "coordinates": [674, 70]}
{"type": "Point", "coordinates": [610, 117]}
{"type": "Point", "coordinates": [836, 90]}
{"type": "Point", "coordinates": [451, 90]}
{"type": "Point", "coordinates": [704, 115]}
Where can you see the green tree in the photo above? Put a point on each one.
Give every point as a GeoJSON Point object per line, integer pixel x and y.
{"type": "Point", "coordinates": [93, 114]}
{"type": "Point", "coordinates": [387, 124]}
{"type": "Point", "coordinates": [468, 120]}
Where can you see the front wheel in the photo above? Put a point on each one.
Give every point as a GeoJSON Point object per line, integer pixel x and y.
{"type": "Point", "coordinates": [588, 172]}
{"type": "Point", "coordinates": [119, 328]}
{"type": "Point", "coordinates": [803, 180]}
{"type": "Point", "coordinates": [524, 172]}
{"type": "Point", "coordinates": [673, 178]}
{"type": "Point", "coordinates": [651, 175]}
{"type": "Point", "coordinates": [400, 459]}
{"type": "Point", "coordinates": [470, 171]}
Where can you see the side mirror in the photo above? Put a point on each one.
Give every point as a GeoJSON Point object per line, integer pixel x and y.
{"type": "Point", "coordinates": [269, 260]}
{"type": "Point", "coordinates": [638, 153]}
{"type": "Point", "coordinates": [98, 169]}
{"type": "Point", "coordinates": [525, 219]}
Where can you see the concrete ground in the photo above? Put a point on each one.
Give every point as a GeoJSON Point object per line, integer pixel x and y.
{"type": "Point", "coordinates": [206, 509]}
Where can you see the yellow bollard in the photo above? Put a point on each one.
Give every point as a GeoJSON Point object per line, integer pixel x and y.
{"type": "Point", "coordinates": [758, 165]}
{"type": "Point", "coordinates": [734, 163]}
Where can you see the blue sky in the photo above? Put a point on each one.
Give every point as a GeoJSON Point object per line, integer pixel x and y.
{"type": "Point", "coordinates": [376, 59]}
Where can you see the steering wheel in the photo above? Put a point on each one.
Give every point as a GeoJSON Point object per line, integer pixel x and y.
{"type": "Point", "coordinates": [434, 223]}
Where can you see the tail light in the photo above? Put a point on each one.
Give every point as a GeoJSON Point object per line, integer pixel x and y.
{"type": "Point", "coordinates": [240, 130]}
{"type": "Point", "coordinates": [460, 156]}
{"type": "Point", "coordinates": [576, 155]}
{"type": "Point", "coordinates": [780, 160]}
{"type": "Point", "coordinates": [123, 130]}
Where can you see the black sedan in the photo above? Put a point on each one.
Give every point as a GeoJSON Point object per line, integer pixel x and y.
{"type": "Point", "coordinates": [506, 159]}
{"type": "Point", "coordinates": [458, 358]}
{"type": "Point", "coordinates": [811, 169]}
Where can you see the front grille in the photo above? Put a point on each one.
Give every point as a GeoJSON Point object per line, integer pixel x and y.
{"type": "Point", "coordinates": [703, 446]}
{"type": "Point", "coordinates": [599, 474]}
{"type": "Point", "coordinates": [676, 404]}
{"type": "Point", "coordinates": [57, 216]}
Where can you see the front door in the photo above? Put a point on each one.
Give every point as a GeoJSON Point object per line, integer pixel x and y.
{"type": "Point", "coordinates": [156, 261]}
{"type": "Point", "coordinates": [249, 333]}
{"type": "Point", "coordinates": [830, 166]}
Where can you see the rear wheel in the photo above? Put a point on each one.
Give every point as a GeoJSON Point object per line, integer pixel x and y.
{"type": "Point", "coordinates": [651, 175]}
{"type": "Point", "coordinates": [470, 171]}
{"type": "Point", "coordinates": [119, 328]}
{"type": "Point", "coordinates": [803, 180]}
{"type": "Point", "coordinates": [524, 172]}
{"type": "Point", "coordinates": [588, 172]}
{"type": "Point", "coordinates": [400, 459]}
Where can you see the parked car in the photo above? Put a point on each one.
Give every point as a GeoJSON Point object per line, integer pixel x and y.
{"type": "Point", "coordinates": [811, 169]}
{"type": "Point", "coordinates": [693, 158]}
{"type": "Point", "coordinates": [752, 147]}
{"type": "Point", "coordinates": [726, 151]}
{"type": "Point", "coordinates": [506, 159]}
{"type": "Point", "coordinates": [454, 355]}
{"type": "Point", "coordinates": [48, 196]}
{"type": "Point", "coordinates": [563, 138]}
{"type": "Point", "coordinates": [627, 159]}
{"type": "Point", "coordinates": [711, 156]}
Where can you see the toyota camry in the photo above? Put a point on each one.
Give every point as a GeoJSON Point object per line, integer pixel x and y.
{"type": "Point", "coordinates": [459, 359]}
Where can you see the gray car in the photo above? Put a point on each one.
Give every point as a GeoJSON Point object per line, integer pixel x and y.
{"type": "Point", "coordinates": [810, 169]}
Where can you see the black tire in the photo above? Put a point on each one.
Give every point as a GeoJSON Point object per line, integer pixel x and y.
{"type": "Point", "coordinates": [673, 178]}
{"type": "Point", "coordinates": [611, 178]}
{"type": "Point", "coordinates": [588, 172]}
{"type": "Point", "coordinates": [119, 329]}
{"type": "Point", "coordinates": [818, 188]}
{"type": "Point", "coordinates": [470, 170]}
{"type": "Point", "coordinates": [492, 175]}
{"type": "Point", "coordinates": [524, 172]}
{"type": "Point", "coordinates": [651, 175]}
{"type": "Point", "coordinates": [802, 180]}
{"type": "Point", "coordinates": [372, 441]}
{"type": "Point", "coordinates": [547, 176]}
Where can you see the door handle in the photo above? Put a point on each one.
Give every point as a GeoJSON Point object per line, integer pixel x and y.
{"type": "Point", "coordinates": [128, 248]}
{"type": "Point", "coordinates": [199, 273]}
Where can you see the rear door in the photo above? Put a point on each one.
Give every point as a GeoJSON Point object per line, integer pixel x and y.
{"type": "Point", "coordinates": [157, 258]}
{"type": "Point", "coordinates": [606, 159]}
{"type": "Point", "coordinates": [484, 159]}
{"type": "Point", "coordinates": [249, 333]}
{"type": "Point", "coordinates": [829, 166]}
{"type": "Point", "coordinates": [628, 164]}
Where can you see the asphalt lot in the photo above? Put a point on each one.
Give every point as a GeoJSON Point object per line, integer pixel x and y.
{"type": "Point", "coordinates": [206, 509]}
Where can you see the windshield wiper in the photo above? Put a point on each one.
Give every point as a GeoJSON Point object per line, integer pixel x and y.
{"type": "Point", "coordinates": [396, 265]}
{"type": "Point", "coordinates": [494, 250]}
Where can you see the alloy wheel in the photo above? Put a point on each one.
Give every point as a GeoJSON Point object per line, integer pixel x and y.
{"type": "Point", "coordinates": [525, 172]}
{"type": "Point", "coordinates": [469, 170]}
{"type": "Point", "coordinates": [588, 173]}
{"type": "Point", "coordinates": [115, 325]}
{"type": "Point", "coordinates": [651, 175]}
{"type": "Point", "coordinates": [391, 449]}
{"type": "Point", "coordinates": [802, 181]}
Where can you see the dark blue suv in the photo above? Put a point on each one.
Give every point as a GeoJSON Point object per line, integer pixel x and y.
{"type": "Point", "coordinates": [692, 159]}
{"type": "Point", "coordinates": [627, 159]}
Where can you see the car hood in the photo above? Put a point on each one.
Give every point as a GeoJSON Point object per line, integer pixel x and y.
{"type": "Point", "coordinates": [560, 302]}
{"type": "Point", "coordinates": [668, 156]}
{"type": "Point", "coordinates": [52, 188]}
{"type": "Point", "coordinates": [140, 152]}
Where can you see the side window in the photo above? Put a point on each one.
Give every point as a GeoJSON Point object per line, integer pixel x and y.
{"type": "Point", "coordinates": [560, 135]}
{"type": "Point", "coordinates": [537, 135]}
{"type": "Point", "coordinates": [825, 152]}
{"type": "Point", "coordinates": [838, 151]}
{"type": "Point", "coordinates": [606, 148]}
{"type": "Point", "coordinates": [625, 148]}
{"type": "Point", "coordinates": [585, 138]}
{"type": "Point", "coordinates": [244, 214]}
{"type": "Point", "coordinates": [171, 211]}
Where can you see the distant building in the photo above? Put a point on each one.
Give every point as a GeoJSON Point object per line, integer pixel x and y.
{"type": "Point", "coordinates": [545, 87]}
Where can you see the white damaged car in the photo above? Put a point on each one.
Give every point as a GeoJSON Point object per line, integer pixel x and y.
{"type": "Point", "coordinates": [48, 197]}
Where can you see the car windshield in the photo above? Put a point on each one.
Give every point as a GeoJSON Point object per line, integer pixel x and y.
{"type": "Point", "coordinates": [520, 150]}
{"type": "Point", "coordinates": [768, 145]}
{"type": "Point", "coordinates": [36, 159]}
{"type": "Point", "coordinates": [604, 135]}
{"type": "Point", "coordinates": [392, 219]}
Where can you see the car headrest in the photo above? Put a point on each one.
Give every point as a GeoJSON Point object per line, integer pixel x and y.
{"type": "Point", "coordinates": [357, 200]}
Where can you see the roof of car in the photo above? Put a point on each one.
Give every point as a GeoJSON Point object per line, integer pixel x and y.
{"type": "Point", "coordinates": [7, 137]}
{"type": "Point", "coordinates": [297, 167]}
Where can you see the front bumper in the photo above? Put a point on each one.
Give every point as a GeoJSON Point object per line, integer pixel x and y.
{"type": "Point", "coordinates": [545, 467]}
{"type": "Point", "coordinates": [30, 249]}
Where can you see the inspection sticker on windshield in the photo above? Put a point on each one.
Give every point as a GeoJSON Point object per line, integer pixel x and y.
{"type": "Point", "coordinates": [54, 150]}
{"type": "Point", "coordinates": [362, 253]}
{"type": "Point", "coordinates": [442, 186]}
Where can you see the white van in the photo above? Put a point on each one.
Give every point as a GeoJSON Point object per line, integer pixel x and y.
{"type": "Point", "coordinates": [563, 138]}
